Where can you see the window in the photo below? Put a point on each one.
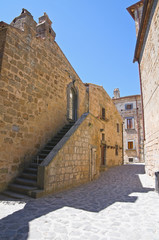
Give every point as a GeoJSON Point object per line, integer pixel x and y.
{"type": "Point", "coordinates": [130, 145]}
{"type": "Point", "coordinates": [71, 102]}
{"type": "Point", "coordinates": [131, 159]}
{"type": "Point", "coordinates": [129, 106]}
{"type": "Point", "coordinates": [129, 123]}
{"type": "Point", "coordinates": [117, 127]}
{"type": "Point", "coordinates": [103, 155]}
{"type": "Point", "coordinates": [103, 113]}
{"type": "Point", "coordinates": [103, 137]}
{"type": "Point", "coordinates": [116, 150]}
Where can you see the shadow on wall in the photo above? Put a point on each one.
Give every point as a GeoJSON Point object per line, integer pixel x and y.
{"type": "Point", "coordinates": [115, 185]}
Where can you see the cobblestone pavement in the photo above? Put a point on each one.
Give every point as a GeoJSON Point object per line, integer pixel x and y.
{"type": "Point", "coordinates": [120, 205]}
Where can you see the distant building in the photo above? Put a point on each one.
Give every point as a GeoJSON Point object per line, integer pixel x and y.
{"type": "Point", "coordinates": [146, 16]}
{"type": "Point", "coordinates": [129, 108]}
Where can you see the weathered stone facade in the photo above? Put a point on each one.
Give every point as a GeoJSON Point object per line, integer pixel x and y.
{"type": "Point", "coordinates": [130, 109]}
{"type": "Point", "coordinates": [147, 55]}
{"type": "Point", "coordinates": [39, 93]}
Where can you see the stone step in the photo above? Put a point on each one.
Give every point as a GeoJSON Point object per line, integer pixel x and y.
{"type": "Point", "coordinates": [56, 139]}
{"type": "Point", "coordinates": [45, 151]}
{"type": "Point", "coordinates": [29, 176]}
{"type": "Point", "coordinates": [30, 170]}
{"type": "Point", "coordinates": [48, 148]}
{"type": "Point", "coordinates": [52, 143]}
{"type": "Point", "coordinates": [42, 155]}
{"type": "Point", "coordinates": [33, 165]}
{"type": "Point", "coordinates": [15, 195]}
{"type": "Point", "coordinates": [61, 134]}
{"type": "Point", "coordinates": [26, 182]}
{"type": "Point", "coordinates": [17, 188]}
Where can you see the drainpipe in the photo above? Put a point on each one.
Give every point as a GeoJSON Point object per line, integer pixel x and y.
{"type": "Point", "coordinates": [142, 107]}
{"type": "Point", "coordinates": [138, 130]}
{"type": "Point", "coordinates": [122, 145]}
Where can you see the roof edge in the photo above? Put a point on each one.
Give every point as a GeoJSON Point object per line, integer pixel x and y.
{"type": "Point", "coordinates": [143, 27]}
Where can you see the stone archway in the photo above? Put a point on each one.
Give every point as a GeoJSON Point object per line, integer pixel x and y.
{"type": "Point", "coordinates": [72, 98]}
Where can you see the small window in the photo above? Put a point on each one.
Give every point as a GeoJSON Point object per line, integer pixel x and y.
{"type": "Point", "coordinates": [103, 137]}
{"type": "Point", "coordinates": [116, 150]}
{"type": "Point", "coordinates": [128, 106]}
{"type": "Point", "coordinates": [103, 155]}
{"type": "Point", "coordinates": [130, 145]}
{"type": "Point", "coordinates": [117, 127]}
{"type": "Point", "coordinates": [103, 113]}
{"type": "Point", "coordinates": [129, 123]}
{"type": "Point", "coordinates": [131, 159]}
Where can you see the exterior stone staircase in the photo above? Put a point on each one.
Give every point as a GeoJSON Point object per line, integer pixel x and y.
{"type": "Point", "coordinates": [27, 182]}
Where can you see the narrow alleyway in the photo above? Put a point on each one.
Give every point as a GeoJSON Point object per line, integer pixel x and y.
{"type": "Point", "coordinates": [120, 205]}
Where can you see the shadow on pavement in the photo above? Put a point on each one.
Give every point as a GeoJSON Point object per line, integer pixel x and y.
{"type": "Point", "coordinates": [115, 185]}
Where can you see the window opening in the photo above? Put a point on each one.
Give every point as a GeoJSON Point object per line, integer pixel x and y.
{"type": "Point", "coordinates": [131, 159]}
{"type": "Point", "coordinates": [130, 145]}
{"type": "Point", "coordinates": [103, 113]}
{"type": "Point", "coordinates": [103, 155]}
{"type": "Point", "coordinates": [129, 123]}
{"type": "Point", "coordinates": [116, 150]}
{"type": "Point", "coordinates": [103, 137]}
{"type": "Point", "coordinates": [72, 105]}
{"type": "Point", "coordinates": [129, 106]}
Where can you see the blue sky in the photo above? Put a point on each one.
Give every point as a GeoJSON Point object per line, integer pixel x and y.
{"type": "Point", "coordinates": [97, 36]}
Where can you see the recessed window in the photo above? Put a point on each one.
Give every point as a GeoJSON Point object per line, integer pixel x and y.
{"type": "Point", "coordinates": [103, 155]}
{"type": "Point", "coordinates": [116, 150]}
{"type": "Point", "coordinates": [129, 122]}
{"type": "Point", "coordinates": [131, 159]}
{"type": "Point", "coordinates": [130, 144]}
{"type": "Point", "coordinates": [129, 106]}
{"type": "Point", "coordinates": [103, 113]}
{"type": "Point", "coordinates": [103, 137]}
{"type": "Point", "coordinates": [117, 127]}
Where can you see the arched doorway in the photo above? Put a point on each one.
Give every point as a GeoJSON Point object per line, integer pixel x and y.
{"type": "Point", "coordinates": [72, 105]}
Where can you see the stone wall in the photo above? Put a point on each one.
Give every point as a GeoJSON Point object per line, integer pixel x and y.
{"type": "Point", "coordinates": [72, 162]}
{"type": "Point", "coordinates": [34, 79]}
{"type": "Point", "coordinates": [149, 62]}
{"type": "Point", "coordinates": [35, 82]}
{"type": "Point", "coordinates": [98, 99]}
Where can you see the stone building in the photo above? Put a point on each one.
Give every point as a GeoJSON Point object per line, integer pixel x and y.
{"type": "Point", "coordinates": [130, 109]}
{"type": "Point", "coordinates": [146, 16]}
{"type": "Point", "coordinates": [55, 131]}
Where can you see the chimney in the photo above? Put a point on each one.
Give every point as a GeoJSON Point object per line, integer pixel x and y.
{"type": "Point", "coordinates": [25, 20]}
{"type": "Point", "coordinates": [116, 93]}
{"type": "Point", "coordinates": [44, 28]}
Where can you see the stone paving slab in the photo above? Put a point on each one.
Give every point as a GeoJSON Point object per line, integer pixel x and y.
{"type": "Point", "coordinates": [120, 205]}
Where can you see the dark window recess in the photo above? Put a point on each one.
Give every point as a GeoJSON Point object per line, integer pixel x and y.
{"type": "Point", "coordinates": [103, 155]}
{"type": "Point", "coordinates": [130, 159]}
{"type": "Point", "coordinates": [128, 106]}
{"type": "Point", "coordinates": [49, 30]}
{"type": "Point", "coordinates": [103, 113]}
{"type": "Point", "coordinates": [117, 127]}
{"type": "Point", "coordinates": [103, 137]}
{"type": "Point", "coordinates": [116, 150]}
{"type": "Point", "coordinates": [129, 123]}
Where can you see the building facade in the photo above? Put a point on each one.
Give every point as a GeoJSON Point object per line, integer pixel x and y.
{"type": "Point", "coordinates": [130, 109]}
{"type": "Point", "coordinates": [55, 131]}
{"type": "Point", "coordinates": [146, 15]}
